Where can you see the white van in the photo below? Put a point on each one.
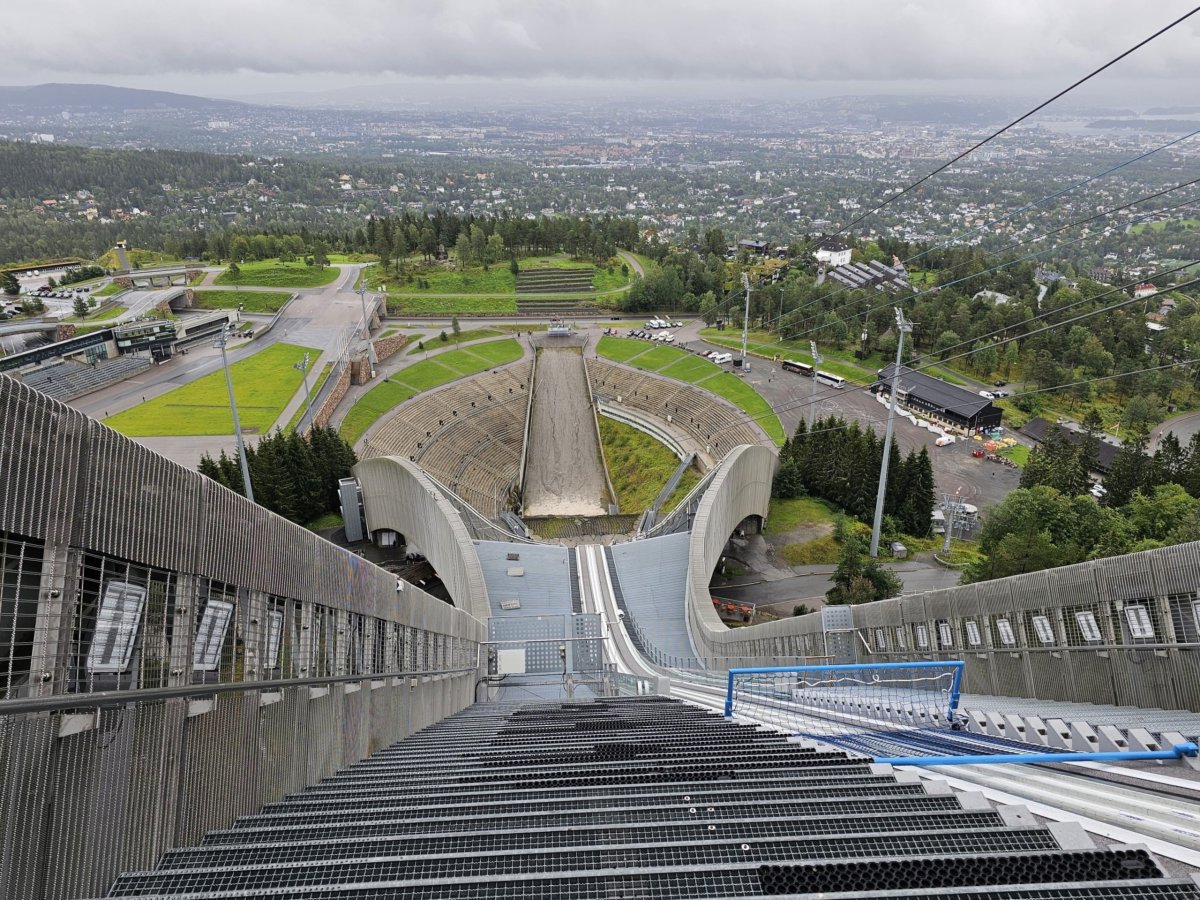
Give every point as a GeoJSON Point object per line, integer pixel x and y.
{"type": "Point", "coordinates": [721, 358]}
{"type": "Point", "coordinates": [944, 441]}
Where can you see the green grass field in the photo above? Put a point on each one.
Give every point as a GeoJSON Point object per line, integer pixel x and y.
{"type": "Point", "coordinates": [740, 394]}
{"type": "Point", "coordinates": [434, 342]}
{"type": "Point", "coordinates": [108, 290]}
{"type": "Point", "coordinates": [787, 515]}
{"type": "Point", "coordinates": [419, 278]}
{"type": "Point", "coordinates": [817, 552]}
{"type": "Point", "coordinates": [1018, 453]}
{"type": "Point", "coordinates": [262, 383]}
{"type": "Point", "coordinates": [495, 353]}
{"type": "Point", "coordinates": [620, 349]}
{"type": "Point", "coordinates": [273, 273]}
{"type": "Point", "coordinates": [253, 301]}
{"type": "Point", "coordinates": [447, 306]}
{"type": "Point", "coordinates": [102, 315]}
{"type": "Point", "coordinates": [639, 466]}
{"type": "Point", "coordinates": [1159, 227]}
{"type": "Point", "coordinates": [421, 376]}
{"type": "Point", "coordinates": [683, 366]}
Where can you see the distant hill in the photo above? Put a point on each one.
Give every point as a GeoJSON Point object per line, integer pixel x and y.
{"type": "Point", "coordinates": [101, 96]}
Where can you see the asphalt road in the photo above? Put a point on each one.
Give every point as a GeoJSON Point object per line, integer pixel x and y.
{"type": "Point", "coordinates": [323, 318]}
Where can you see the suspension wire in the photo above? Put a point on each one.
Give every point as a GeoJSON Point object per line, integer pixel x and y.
{"type": "Point", "coordinates": [1017, 121]}
{"type": "Point", "coordinates": [922, 368]}
{"type": "Point", "coordinates": [1112, 377]}
{"type": "Point", "coordinates": [771, 321]}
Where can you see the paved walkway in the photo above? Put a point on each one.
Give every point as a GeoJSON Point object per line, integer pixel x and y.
{"type": "Point", "coordinates": [324, 318]}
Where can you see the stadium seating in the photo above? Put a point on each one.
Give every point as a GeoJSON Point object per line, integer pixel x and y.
{"type": "Point", "coordinates": [467, 435]}
{"type": "Point", "coordinates": [710, 420]}
{"type": "Point", "coordinates": [68, 380]}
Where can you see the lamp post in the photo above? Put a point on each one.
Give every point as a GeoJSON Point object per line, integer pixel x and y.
{"type": "Point", "coordinates": [303, 367]}
{"type": "Point", "coordinates": [366, 326]}
{"type": "Point", "coordinates": [745, 319]}
{"type": "Point", "coordinates": [220, 343]}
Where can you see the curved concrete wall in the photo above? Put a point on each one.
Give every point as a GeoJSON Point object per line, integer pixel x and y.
{"type": "Point", "coordinates": [399, 496]}
{"type": "Point", "coordinates": [740, 488]}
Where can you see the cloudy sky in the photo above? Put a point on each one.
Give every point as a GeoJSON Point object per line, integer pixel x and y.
{"type": "Point", "coordinates": [246, 47]}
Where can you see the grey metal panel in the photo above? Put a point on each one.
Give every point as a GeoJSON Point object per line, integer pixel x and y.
{"type": "Point", "coordinates": [398, 495]}
{"type": "Point", "coordinates": [1126, 577]}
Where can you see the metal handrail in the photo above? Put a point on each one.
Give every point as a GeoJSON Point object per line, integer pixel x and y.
{"type": "Point", "coordinates": [109, 699]}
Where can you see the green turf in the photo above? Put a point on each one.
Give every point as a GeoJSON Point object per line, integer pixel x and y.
{"type": "Point", "coordinates": [788, 515]}
{"type": "Point", "coordinates": [824, 550]}
{"type": "Point", "coordinates": [98, 316]}
{"type": "Point", "coordinates": [448, 306]}
{"type": "Point", "coordinates": [496, 353]}
{"type": "Point", "coordinates": [739, 393]}
{"type": "Point", "coordinates": [431, 373]}
{"type": "Point", "coordinates": [620, 349]}
{"type": "Point", "coordinates": [263, 384]}
{"type": "Point", "coordinates": [273, 273]}
{"type": "Point", "coordinates": [691, 369]}
{"type": "Point", "coordinates": [422, 376]}
{"type": "Point", "coordinates": [657, 356]}
{"type": "Point", "coordinates": [253, 301]}
{"type": "Point", "coordinates": [434, 341]}
{"type": "Point", "coordinates": [1018, 453]}
{"type": "Point", "coordinates": [108, 290]}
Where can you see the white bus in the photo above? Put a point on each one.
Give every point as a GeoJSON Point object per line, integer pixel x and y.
{"type": "Point", "coordinates": [833, 381]}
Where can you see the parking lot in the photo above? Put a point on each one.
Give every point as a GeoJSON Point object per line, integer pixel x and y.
{"type": "Point", "coordinates": [977, 481]}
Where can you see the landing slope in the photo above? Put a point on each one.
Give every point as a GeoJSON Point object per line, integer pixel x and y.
{"type": "Point", "coordinates": [564, 474]}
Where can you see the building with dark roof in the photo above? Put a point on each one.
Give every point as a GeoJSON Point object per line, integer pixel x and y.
{"type": "Point", "coordinates": [1040, 429]}
{"type": "Point", "coordinates": [939, 401]}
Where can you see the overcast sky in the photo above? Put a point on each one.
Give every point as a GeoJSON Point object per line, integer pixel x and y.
{"type": "Point", "coordinates": [245, 47]}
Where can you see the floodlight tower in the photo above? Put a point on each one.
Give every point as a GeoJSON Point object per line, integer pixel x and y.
{"type": "Point", "coordinates": [746, 318]}
{"type": "Point", "coordinates": [903, 327]}
{"type": "Point", "coordinates": [219, 342]}
{"type": "Point", "coordinates": [366, 326]}
{"type": "Point", "coordinates": [303, 367]}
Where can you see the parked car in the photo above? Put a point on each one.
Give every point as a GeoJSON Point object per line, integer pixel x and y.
{"type": "Point", "coordinates": [1098, 491]}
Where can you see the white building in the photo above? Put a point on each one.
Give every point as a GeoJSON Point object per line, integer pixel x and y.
{"type": "Point", "coordinates": [833, 253]}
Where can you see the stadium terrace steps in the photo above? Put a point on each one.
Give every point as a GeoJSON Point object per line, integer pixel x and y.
{"type": "Point", "coordinates": [638, 797]}
{"type": "Point", "coordinates": [68, 380]}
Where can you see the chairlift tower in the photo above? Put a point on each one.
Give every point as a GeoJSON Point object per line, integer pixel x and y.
{"type": "Point", "coordinates": [903, 327]}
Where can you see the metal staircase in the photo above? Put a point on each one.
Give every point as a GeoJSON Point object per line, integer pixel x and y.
{"type": "Point", "coordinates": [638, 797]}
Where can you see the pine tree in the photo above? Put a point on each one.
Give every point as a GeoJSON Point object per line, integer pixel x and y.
{"type": "Point", "coordinates": [209, 467]}
{"type": "Point", "coordinates": [231, 473]}
{"type": "Point", "coordinates": [1128, 472]}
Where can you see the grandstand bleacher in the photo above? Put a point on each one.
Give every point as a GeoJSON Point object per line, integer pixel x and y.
{"type": "Point", "coordinates": [467, 435]}
{"type": "Point", "coordinates": [713, 422]}
{"type": "Point", "coordinates": [555, 281]}
{"type": "Point", "coordinates": [68, 380]}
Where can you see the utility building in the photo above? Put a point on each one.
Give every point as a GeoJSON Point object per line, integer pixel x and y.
{"type": "Point", "coordinates": [939, 401]}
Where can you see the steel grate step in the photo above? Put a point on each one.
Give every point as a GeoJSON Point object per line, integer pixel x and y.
{"type": "Point", "coordinates": [704, 831]}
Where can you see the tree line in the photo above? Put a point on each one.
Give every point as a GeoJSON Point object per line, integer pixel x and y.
{"type": "Point", "coordinates": [1150, 500]}
{"type": "Point", "coordinates": [293, 475]}
{"type": "Point", "coordinates": [839, 462]}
